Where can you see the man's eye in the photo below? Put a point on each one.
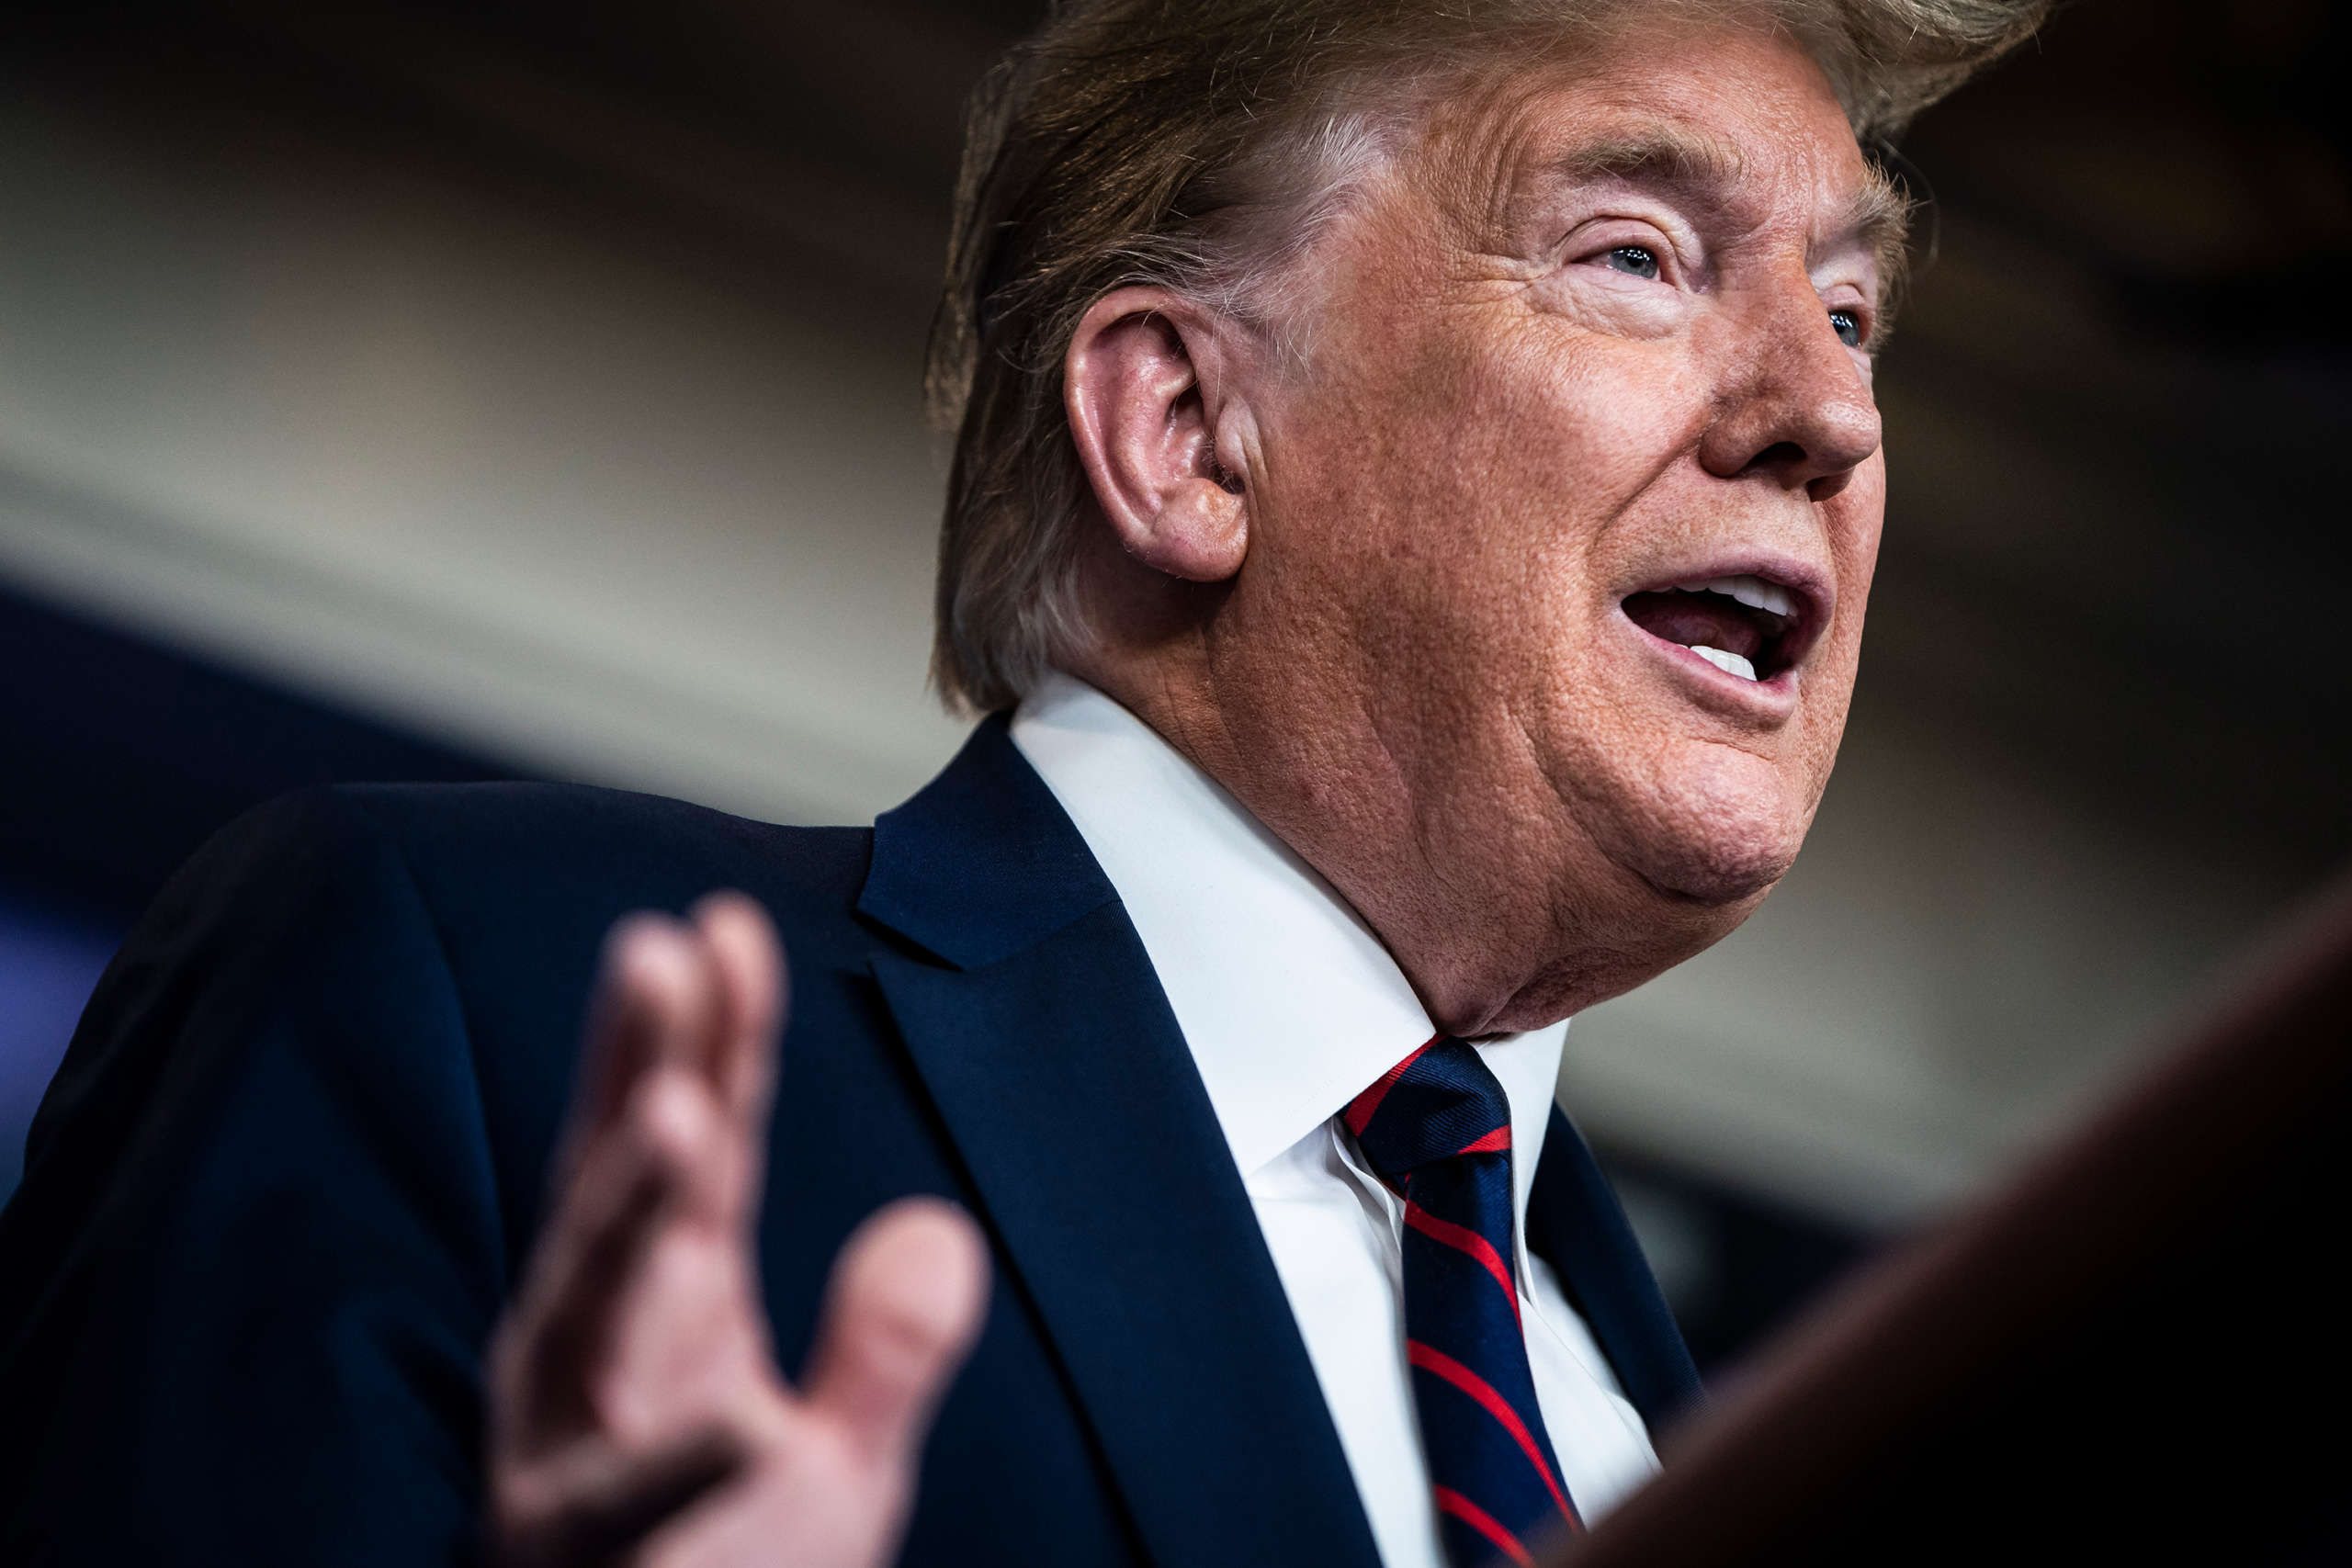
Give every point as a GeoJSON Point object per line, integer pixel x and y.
{"type": "Point", "coordinates": [1849, 327]}
{"type": "Point", "coordinates": [1635, 261]}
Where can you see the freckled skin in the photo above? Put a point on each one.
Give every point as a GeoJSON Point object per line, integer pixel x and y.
{"type": "Point", "coordinates": [1413, 665]}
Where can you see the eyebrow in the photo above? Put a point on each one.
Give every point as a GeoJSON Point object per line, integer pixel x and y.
{"type": "Point", "coordinates": [1879, 215]}
{"type": "Point", "coordinates": [1678, 157]}
{"type": "Point", "coordinates": [1663, 155]}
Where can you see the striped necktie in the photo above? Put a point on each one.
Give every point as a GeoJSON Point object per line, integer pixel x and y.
{"type": "Point", "coordinates": [1436, 1128]}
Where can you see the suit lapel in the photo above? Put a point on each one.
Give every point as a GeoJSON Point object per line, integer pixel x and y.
{"type": "Point", "coordinates": [1033, 1015]}
{"type": "Point", "coordinates": [1575, 1223]}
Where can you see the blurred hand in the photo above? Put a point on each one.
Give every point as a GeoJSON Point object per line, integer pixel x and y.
{"type": "Point", "coordinates": [637, 1414]}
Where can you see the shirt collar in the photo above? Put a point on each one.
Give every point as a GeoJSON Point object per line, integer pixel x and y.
{"type": "Point", "coordinates": [1289, 1003]}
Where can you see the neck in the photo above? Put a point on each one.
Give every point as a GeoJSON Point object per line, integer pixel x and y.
{"type": "Point", "coordinates": [1340, 803]}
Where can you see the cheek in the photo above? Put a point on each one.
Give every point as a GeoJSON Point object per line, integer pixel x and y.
{"type": "Point", "coordinates": [1495, 409]}
{"type": "Point", "coordinates": [1857, 519]}
{"type": "Point", "coordinates": [1853, 520]}
{"type": "Point", "coordinates": [1576, 427]}
{"type": "Point", "coordinates": [1513, 456]}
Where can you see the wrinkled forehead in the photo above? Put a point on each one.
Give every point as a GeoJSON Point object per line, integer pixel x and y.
{"type": "Point", "coordinates": [1739, 122]}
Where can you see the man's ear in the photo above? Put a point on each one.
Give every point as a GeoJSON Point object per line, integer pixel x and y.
{"type": "Point", "coordinates": [1133, 385]}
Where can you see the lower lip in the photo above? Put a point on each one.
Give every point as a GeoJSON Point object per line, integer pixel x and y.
{"type": "Point", "coordinates": [1771, 699]}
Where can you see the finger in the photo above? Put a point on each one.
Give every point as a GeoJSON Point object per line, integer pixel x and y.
{"type": "Point", "coordinates": [905, 1305]}
{"type": "Point", "coordinates": [656, 1000]}
{"type": "Point", "coordinates": [634, 1181]}
{"type": "Point", "coordinates": [594, 1504]}
{"type": "Point", "coordinates": [752, 985]}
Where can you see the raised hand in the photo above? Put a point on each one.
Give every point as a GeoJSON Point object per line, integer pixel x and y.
{"type": "Point", "coordinates": [636, 1414]}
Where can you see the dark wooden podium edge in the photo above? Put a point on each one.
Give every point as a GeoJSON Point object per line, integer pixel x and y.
{"type": "Point", "coordinates": [1885, 1351]}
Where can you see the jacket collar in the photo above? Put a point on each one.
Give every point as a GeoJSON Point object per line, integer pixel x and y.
{"type": "Point", "coordinates": [1048, 1047]}
{"type": "Point", "coordinates": [1575, 1223]}
{"type": "Point", "coordinates": [983, 862]}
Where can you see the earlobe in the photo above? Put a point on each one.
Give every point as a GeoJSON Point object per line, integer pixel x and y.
{"type": "Point", "coordinates": [1141, 417]}
{"type": "Point", "coordinates": [1201, 535]}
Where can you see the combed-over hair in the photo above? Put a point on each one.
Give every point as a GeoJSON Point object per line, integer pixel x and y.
{"type": "Point", "coordinates": [1198, 146]}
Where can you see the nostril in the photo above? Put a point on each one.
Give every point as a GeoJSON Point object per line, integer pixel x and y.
{"type": "Point", "coordinates": [1829, 485]}
{"type": "Point", "coordinates": [1778, 458]}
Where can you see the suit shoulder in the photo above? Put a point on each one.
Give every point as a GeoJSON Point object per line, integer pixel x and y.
{"type": "Point", "coordinates": [479, 841]}
{"type": "Point", "coordinates": [619, 836]}
{"type": "Point", "coordinates": [513, 879]}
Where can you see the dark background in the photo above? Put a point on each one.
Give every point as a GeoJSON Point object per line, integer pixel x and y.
{"type": "Point", "coordinates": [2117, 410]}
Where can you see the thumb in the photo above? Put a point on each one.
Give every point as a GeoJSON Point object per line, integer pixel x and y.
{"type": "Point", "coordinates": [908, 1294]}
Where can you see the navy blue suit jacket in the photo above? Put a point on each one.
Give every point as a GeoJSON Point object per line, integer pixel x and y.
{"type": "Point", "coordinates": [296, 1156]}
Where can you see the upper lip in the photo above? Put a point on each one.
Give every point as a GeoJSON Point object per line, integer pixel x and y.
{"type": "Point", "coordinates": [1806, 586]}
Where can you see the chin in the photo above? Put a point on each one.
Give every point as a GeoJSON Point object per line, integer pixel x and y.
{"type": "Point", "coordinates": [1718, 871]}
{"type": "Point", "coordinates": [1719, 833]}
{"type": "Point", "coordinates": [1692, 861]}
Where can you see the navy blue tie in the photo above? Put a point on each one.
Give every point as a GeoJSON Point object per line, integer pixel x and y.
{"type": "Point", "coordinates": [1437, 1130]}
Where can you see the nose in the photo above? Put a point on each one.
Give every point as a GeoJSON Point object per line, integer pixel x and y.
{"type": "Point", "coordinates": [1796, 410]}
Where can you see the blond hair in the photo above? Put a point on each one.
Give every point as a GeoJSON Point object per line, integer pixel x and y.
{"type": "Point", "coordinates": [1198, 146]}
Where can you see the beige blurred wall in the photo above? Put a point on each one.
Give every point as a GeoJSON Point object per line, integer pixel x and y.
{"type": "Point", "coordinates": [597, 498]}
{"type": "Point", "coordinates": [558, 491]}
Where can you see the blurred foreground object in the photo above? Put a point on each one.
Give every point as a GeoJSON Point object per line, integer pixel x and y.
{"type": "Point", "coordinates": [2134, 1352]}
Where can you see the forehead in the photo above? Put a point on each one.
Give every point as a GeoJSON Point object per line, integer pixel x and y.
{"type": "Point", "coordinates": [1737, 119]}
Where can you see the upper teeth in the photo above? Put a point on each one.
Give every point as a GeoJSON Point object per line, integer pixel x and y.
{"type": "Point", "coordinates": [1752, 591]}
{"type": "Point", "coordinates": [1729, 664]}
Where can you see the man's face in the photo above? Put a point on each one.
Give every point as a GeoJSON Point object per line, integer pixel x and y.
{"type": "Point", "coordinates": [1600, 341]}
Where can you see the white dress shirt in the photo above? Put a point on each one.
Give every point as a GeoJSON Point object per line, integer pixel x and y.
{"type": "Point", "coordinates": [1292, 1008]}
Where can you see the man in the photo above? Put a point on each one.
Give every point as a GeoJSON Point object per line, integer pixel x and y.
{"type": "Point", "coordinates": [1417, 490]}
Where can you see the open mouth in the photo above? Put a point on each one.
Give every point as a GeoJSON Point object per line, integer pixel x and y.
{"type": "Point", "coordinates": [1750, 628]}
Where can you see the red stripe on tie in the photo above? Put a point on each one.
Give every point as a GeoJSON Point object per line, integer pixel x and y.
{"type": "Point", "coordinates": [1359, 1112]}
{"type": "Point", "coordinates": [1430, 1359]}
{"type": "Point", "coordinates": [1449, 1501]}
{"type": "Point", "coordinates": [1493, 1142]}
{"type": "Point", "coordinates": [1462, 1238]}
